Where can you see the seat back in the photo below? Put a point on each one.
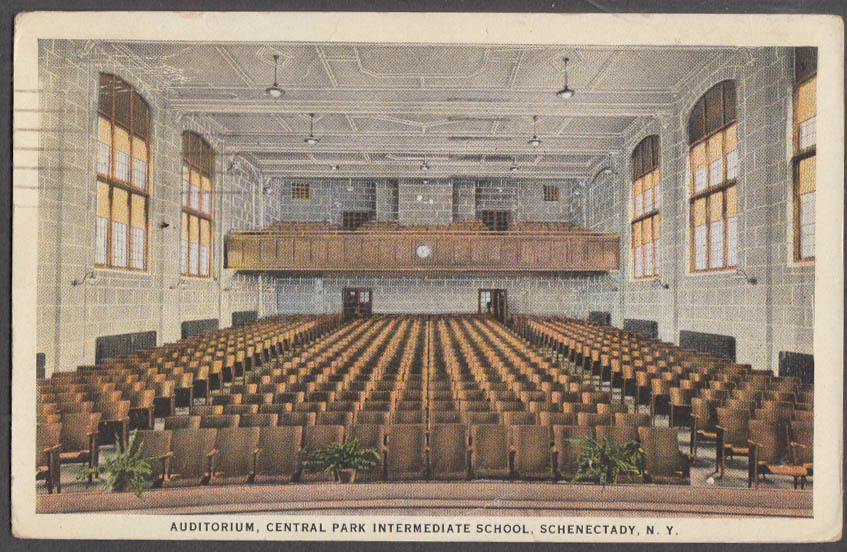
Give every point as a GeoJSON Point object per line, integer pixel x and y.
{"type": "Point", "coordinates": [275, 408]}
{"type": "Point", "coordinates": [76, 428]}
{"type": "Point", "coordinates": [406, 458]}
{"type": "Point", "coordinates": [661, 447]}
{"type": "Point", "coordinates": [368, 435]}
{"type": "Point", "coordinates": [617, 434]}
{"type": "Point", "coordinates": [568, 450]}
{"type": "Point", "coordinates": [317, 436]}
{"type": "Point", "coordinates": [770, 439]}
{"type": "Point", "coordinates": [449, 456]}
{"type": "Point", "coordinates": [258, 420]}
{"type": "Point", "coordinates": [296, 419]}
{"type": "Point", "coordinates": [235, 446]}
{"type": "Point", "coordinates": [206, 410]}
{"type": "Point", "coordinates": [182, 422]}
{"type": "Point", "coordinates": [736, 424]}
{"type": "Point", "coordinates": [408, 417]}
{"type": "Point", "coordinates": [533, 454]}
{"type": "Point", "coordinates": [632, 419]}
{"type": "Point", "coordinates": [240, 409]}
{"type": "Point", "coordinates": [490, 450]}
{"type": "Point", "coordinates": [445, 417]}
{"type": "Point", "coordinates": [801, 433]}
{"type": "Point", "coordinates": [221, 421]}
{"type": "Point", "coordinates": [153, 443]}
{"type": "Point", "coordinates": [191, 448]}
{"type": "Point", "coordinates": [519, 418]}
{"type": "Point", "coordinates": [372, 417]}
{"type": "Point", "coordinates": [278, 450]}
{"type": "Point", "coordinates": [551, 419]}
{"type": "Point", "coordinates": [46, 436]}
{"type": "Point", "coordinates": [481, 417]}
{"type": "Point", "coordinates": [334, 418]}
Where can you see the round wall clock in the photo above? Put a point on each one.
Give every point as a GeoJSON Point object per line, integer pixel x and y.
{"type": "Point", "coordinates": [424, 251]}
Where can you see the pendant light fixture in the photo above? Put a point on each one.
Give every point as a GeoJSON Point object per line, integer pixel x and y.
{"type": "Point", "coordinates": [566, 92]}
{"type": "Point", "coordinates": [275, 91]}
{"type": "Point", "coordinates": [424, 165]}
{"type": "Point", "coordinates": [535, 140]}
{"type": "Point", "coordinates": [311, 139]}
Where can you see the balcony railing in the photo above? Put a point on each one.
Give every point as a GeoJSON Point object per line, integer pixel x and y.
{"type": "Point", "coordinates": [421, 251]}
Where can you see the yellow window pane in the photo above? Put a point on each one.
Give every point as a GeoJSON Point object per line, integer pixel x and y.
{"type": "Point", "coordinates": [120, 205]}
{"type": "Point", "coordinates": [647, 232]}
{"type": "Point", "coordinates": [700, 212]}
{"type": "Point", "coordinates": [698, 155]}
{"type": "Point", "coordinates": [204, 232]}
{"type": "Point", "coordinates": [715, 146]}
{"type": "Point", "coordinates": [139, 148]}
{"type": "Point", "coordinates": [121, 139]}
{"type": "Point", "coordinates": [648, 181]}
{"type": "Point", "coordinates": [656, 177]}
{"type": "Point", "coordinates": [206, 184]}
{"type": "Point", "coordinates": [656, 227]}
{"type": "Point", "coordinates": [195, 178]}
{"type": "Point", "coordinates": [185, 226]}
{"type": "Point", "coordinates": [804, 103]}
{"type": "Point", "coordinates": [716, 206]}
{"type": "Point", "coordinates": [637, 185]}
{"type": "Point", "coordinates": [103, 207]}
{"type": "Point", "coordinates": [104, 130]}
{"type": "Point", "coordinates": [193, 229]}
{"type": "Point", "coordinates": [636, 233]}
{"type": "Point", "coordinates": [806, 175]}
{"type": "Point", "coordinates": [731, 138]}
{"type": "Point", "coordinates": [139, 216]}
{"type": "Point", "coordinates": [731, 202]}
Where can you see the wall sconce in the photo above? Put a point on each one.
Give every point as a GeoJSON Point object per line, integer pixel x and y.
{"type": "Point", "coordinates": [752, 280]}
{"type": "Point", "coordinates": [89, 277]}
{"type": "Point", "coordinates": [663, 285]}
{"type": "Point", "coordinates": [179, 284]}
{"type": "Point", "coordinates": [164, 224]}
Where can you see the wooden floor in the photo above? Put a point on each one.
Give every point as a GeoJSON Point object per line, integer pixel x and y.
{"type": "Point", "coordinates": [454, 498]}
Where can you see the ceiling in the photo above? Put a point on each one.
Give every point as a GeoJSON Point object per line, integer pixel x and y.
{"type": "Point", "coordinates": [380, 108]}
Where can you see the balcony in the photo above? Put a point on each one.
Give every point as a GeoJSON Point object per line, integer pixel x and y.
{"type": "Point", "coordinates": [535, 247]}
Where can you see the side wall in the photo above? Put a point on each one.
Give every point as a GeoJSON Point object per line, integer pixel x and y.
{"type": "Point", "coordinates": [776, 313]}
{"type": "Point", "coordinates": [70, 317]}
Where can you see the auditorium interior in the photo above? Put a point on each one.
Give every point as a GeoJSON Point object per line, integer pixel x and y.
{"type": "Point", "coordinates": [474, 259]}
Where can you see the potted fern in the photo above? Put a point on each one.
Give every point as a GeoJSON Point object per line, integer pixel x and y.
{"type": "Point", "coordinates": [341, 459]}
{"type": "Point", "coordinates": [125, 469]}
{"type": "Point", "coordinates": [603, 462]}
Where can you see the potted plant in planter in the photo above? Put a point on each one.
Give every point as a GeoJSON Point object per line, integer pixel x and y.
{"type": "Point", "coordinates": [604, 462]}
{"type": "Point", "coordinates": [125, 469]}
{"type": "Point", "coordinates": [341, 459]}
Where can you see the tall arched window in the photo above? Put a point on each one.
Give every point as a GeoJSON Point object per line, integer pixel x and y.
{"type": "Point", "coordinates": [713, 199]}
{"type": "Point", "coordinates": [805, 110]}
{"type": "Point", "coordinates": [198, 176]}
{"type": "Point", "coordinates": [646, 200]}
{"type": "Point", "coordinates": [123, 180]}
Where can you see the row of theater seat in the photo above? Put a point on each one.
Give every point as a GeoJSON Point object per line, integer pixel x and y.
{"type": "Point", "coordinates": [192, 456]}
{"type": "Point", "coordinates": [737, 408]}
{"type": "Point", "coordinates": [86, 408]}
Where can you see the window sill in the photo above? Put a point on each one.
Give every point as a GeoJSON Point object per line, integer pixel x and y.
{"type": "Point", "coordinates": [107, 270]}
{"type": "Point", "coordinates": [714, 272]}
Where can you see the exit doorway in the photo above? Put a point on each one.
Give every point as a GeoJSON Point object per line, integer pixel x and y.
{"type": "Point", "coordinates": [356, 302]}
{"type": "Point", "coordinates": [493, 302]}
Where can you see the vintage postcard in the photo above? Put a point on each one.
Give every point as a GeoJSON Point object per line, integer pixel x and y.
{"type": "Point", "coordinates": [457, 277]}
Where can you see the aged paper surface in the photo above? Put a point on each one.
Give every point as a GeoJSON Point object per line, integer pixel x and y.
{"type": "Point", "coordinates": [492, 510]}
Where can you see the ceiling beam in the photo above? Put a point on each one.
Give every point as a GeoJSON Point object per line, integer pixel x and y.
{"type": "Point", "coordinates": [589, 104]}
